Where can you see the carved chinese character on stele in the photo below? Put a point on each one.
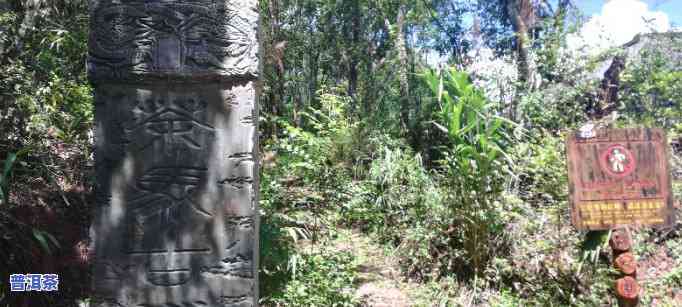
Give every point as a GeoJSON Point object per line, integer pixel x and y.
{"type": "Point", "coordinates": [619, 177]}
{"type": "Point", "coordinates": [176, 219]}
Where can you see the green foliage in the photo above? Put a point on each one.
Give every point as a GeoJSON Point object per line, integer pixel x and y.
{"type": "Point", "coordinates": [43, 75]}
{"type": "Point", "coordinates": [21, 247]}
{"type": "Point", "coordinates": [479, 216]}
{"type": "Point", "coordinates": [545, 266]}
{"type": "Point", "coordinates": [322, 278]}
{"type": "Point", "coordinates": [308, 179]}
{"type": "Point", "coordinates": [652, 92]}
{"type": "Point", "coordinates": [402, 192]}
{"type": "Point", "coordinates": [475, 165]}
{"type": "Point", "coordinates": [553, 108]}
{"type": "Point", "coordinates": [5, 178]}
{"type": "Point", "coordinates": [478, 136]}
{"type": "Point", "coordinates": [61, 107]}
{"type": "Point", "coordinates": [674, 277]}
{"type": "Point", "coordinates": [328, 143]}
{"type": "Point", "coordinates": [45, 105]}
{"type": "Point", "coordinates": [405, 209]}
{"type": "Point", "coordinates": [276, 248]}
{"type": "Point", "coordinates": [313, 166]}
{"type": "Point", "coordinates": [548, 263]}
{"type": "Point", "coordinates": [442, 293]}
{"type": "Point", "coordinates": [449, 221]}
{"type": "Point", "coordinates": [541, 170]}
{"type": "Point", "coordinates": [21, 242]}
{"type": "Point", "coordinates": [508, 298]}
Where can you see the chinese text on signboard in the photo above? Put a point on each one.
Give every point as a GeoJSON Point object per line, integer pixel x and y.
{"type": "Point", "coordinates": [619, 177]}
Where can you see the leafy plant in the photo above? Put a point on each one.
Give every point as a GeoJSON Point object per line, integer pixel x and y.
{"type": "Point", "coordinates": [652, 91]}
{"type": "Point", "coordinates": [322, 278]}
{"type": "Point", "coordinates": [541, 170]}
{"type": "Point", "coordinates": [403, 191]}
{"type": "Point", "coordinates": [8, 164]}
{"type": "Point", "coordinates": [276, 250]}
{"type": "Point", "coordinates": [475, 165]}
{"type": "Point", "coordinates": [301, 189]}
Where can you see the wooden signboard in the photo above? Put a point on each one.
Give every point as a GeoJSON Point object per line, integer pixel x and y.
{"type": "Point", "coordinates": [619, 177]}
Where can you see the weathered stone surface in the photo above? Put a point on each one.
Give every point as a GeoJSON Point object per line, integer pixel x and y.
{"type": "Point", "coordinates": [190, 39]}
{"type": "Point", "coordinates": [175, 110]}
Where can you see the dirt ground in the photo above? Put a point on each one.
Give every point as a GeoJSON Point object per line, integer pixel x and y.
{"type": "Point", "coordinates": [379, 282]}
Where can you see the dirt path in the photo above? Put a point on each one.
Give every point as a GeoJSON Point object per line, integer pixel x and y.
{"type": "Point", "coordinates": [379, 282]}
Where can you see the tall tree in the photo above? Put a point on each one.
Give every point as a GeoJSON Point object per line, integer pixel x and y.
{"type": "Point", "coordinates": [401, 46]}
{"type": "Point", "coordinates": [361, 48]}
{"type": "Point", "coordinates": [521, 14]}
{"type": "Point", "coordinates": [354, 58]}
{"type": "Point", "coordinates": [516, 26]}
{"type": "Point", "coordinates": [446, 30]}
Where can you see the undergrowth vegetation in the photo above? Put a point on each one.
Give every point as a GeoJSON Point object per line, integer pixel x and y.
{"type": "Point", "coordinates": [459, 172]}
{"type": "Point", "coordinates": [490, 218]}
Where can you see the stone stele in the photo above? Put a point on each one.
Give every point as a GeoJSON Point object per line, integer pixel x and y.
{"type": "Point", "coordinates": [175, 222]}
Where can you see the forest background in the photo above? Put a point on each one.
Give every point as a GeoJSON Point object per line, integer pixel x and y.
{"type": "Point", "coordinates": [432, 131]}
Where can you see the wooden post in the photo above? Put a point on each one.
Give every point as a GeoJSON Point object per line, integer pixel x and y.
{"type": "Point", "coordinates": [626, 263]}
{"type": "Point", "coordinates": [627, 288]}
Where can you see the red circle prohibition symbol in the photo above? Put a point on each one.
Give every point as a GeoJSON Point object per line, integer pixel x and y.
{"type": "Point", "coordinates": [617, 161]}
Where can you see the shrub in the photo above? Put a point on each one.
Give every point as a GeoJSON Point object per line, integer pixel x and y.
{"type": "Point", "coordinates": [402, 191]}
{"type": "Point", "coordinates": [652, 92]}
{"type": "Point", "coordinates": [475, 166]}
{"type": "Point", "coordinates": [541, 169]}
{"type": "Point", "coordinates": [450, 220]}
{"type": "Point", "coordinates": [322, 278]}
{"type": "Point", "coordinates": [276, 249]}
{"type": "Point", "coordinates": [308, 178]}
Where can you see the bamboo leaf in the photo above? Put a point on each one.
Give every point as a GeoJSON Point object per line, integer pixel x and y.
{"type": "Point", "coordinates": [40, 237]}
{"type": "Point", "coordinates": [9, 162]}
{"type": "Point", "coordinates": [53, 240]}
{"type": "Point", "coordinates": [440, 127]}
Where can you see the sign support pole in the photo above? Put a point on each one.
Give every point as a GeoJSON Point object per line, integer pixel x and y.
{"type": "Point", "coordinates": [627, 288]}
{"type": "Point", "coordinates": [620, 177]}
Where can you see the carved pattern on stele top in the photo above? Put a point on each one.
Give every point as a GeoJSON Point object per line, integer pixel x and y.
{"type": "Point", "coordinates": [199, 39]}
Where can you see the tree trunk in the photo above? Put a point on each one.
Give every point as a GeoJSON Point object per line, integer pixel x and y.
{"type": "Point", "coordinates": [368, 96]}
{"type": "Point", "coordinates": [402, 70]}
{"type": "Point", "coordinates": [521, 15]}
{"type": "Point", "coordinates": [353, 61]}
{"type": "Point", "coordinates": [277, 50]}
{"type": "Point", "coordinates": [606, 100]}
{"type": "Point", "coordinates": [312, 77]}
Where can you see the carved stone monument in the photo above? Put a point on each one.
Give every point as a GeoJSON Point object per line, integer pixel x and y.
{"type": "Point", "coordinates": [176, 220]}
